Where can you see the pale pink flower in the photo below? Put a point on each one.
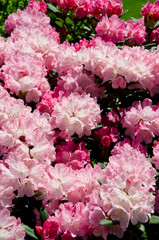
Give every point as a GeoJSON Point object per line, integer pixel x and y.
{"type": "Point", "coordinates": [73, 219]}
{"type": "Point", "coordinates": [10, 227]}
{"type": "Point", "coordinates": [27, 18]}
{"type": "Point", "coordinates": [141, 121]}
{"type": "Point", "coordinates": [111, 29]}
{"type": "Point", "coordinates": [38, 39]}
{"type": "Point", "coordinates": [25, 73]}
{"type": "Point", "coordinates": [115, 30]}
{"type": "Point", "coordinates": [125, 192]}
{"type": "Point", "coordinates": [76, 114]}
{"type": "Point", "coordinates": [80, 81]}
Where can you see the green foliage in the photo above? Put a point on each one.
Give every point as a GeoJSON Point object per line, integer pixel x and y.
{"type": "Point", "coordinates": [154, 220]}
{"type": "Point", "coordinates": [29, 232]}
{"type": "Point", "coordinates": [107, 222]}
{"type": "Point", "coordinates": [133, 7]}
{"type": "Point", "coordinates": [43, 214]}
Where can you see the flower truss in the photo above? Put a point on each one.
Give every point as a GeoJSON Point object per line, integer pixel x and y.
{"type": "Point", "coordinates": [79, 122]}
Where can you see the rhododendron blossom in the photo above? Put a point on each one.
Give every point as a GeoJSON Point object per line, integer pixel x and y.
{"type": "Point", "coordinates": [141, 121]}
{"type": "Point", "coordinates": [96, 8]}
{"type": "Point", "coordinates": [10, 227]}
{"type": "Point", "coordinates": [151, 12]}
{"type": "Point", "coordinates": [79, 122]}
{"type": "Point", "coordinates": [75, 155]}
{"type": "Point", "coordinates": [126, 192]}
{"type": "Point", "coordinates": [76, 114]}
{"type": "Point", "coordinates": [155, 158]}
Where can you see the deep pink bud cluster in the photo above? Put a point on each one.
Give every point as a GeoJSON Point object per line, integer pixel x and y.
{"type": "Point", "coordinates": [107, 135]}
{"type": "Point", "coordinates": [75, 155]}
{"type": "Point", "coordinates": [96, 7]}
{"type": "Point", "coordinates": [151, 11]}
{"type": "Point", "coordinates": [155, 35]}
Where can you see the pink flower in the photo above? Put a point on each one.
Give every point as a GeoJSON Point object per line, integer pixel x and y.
{"type": "Point", "coordinates": [106, 135]}
{"type": "Point", "coordinates": [76, 114]}
{"type": "Point", "coordinates": [80, 81]}
{"type": "Point", "coordinates": [96, 8]}
{"type": "Point", "coordinates": [141, 121]}
{"type": "Point", "coordinates": [137, 30]}
{"type": "Point", "coordinates": [73, 219]}
{"type": "Point", "coordinates": [75, 155]}
{"type": "Point", "coordinates": [41, 6]}
{"type": "Point", "coordinates": [155, 158]}
{"type": "Point", "coordinates": [2, 46]}
{"type": "Point", "coordinates": [10, 227]}
{"type": "Point", "coordinates": [111, 29]}
{"type": "Point", "coordinates": [10, 23]}
{"type": "Point", "coordinates": [50, 229]}
{"type": "Point", "coordinates": [114, 29]}
{"type": "Point", "coordinates": [25, 73]}
{"type": "Point", "coordinates": [155, 35]}
{"type": "Point", "coordinates": [125, 193]}
{"type": "Point", "coordinates": [156, 206]}
{"type": "Point", "coordinates": [151, 12]}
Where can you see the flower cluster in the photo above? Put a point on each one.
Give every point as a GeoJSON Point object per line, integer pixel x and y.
{"type": "Point", "coordinates": [78, 121]}
{"type": "Point", "coordinates": [151, 12]}
{"type": "Point", "coordinates": [114, 29]}
{"type": "Point", "coordinates": [124, 196]}
{"type": "Point", "coordinates": [96, 8]}
{"type": "Point", "coordinates": [141, 121]}
{"type": "Point", "coordinates": [75, 114]}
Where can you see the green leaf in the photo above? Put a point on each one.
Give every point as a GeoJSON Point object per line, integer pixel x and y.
{"type": "Point", "coordinates": [107, 222]}
{"type": "Point", "coordinates": [52, 8]}
{"type": "Point", "coordinates": [149, 45]}
{"type": "Point", "coordinates": [53, 73]}
{"type": "Point", "coordinates": [154, 220]}
{"type": "Point", "coordinates": [157, 24]}
{"type": "Point", "coordinates": [141, 227]}
{"type": "Point", "coordinates": [128, 38]}
{"type": "Point", "coordinates": [157, 174]}
{"type": "Point", "coordinates": [97, 127]}
{"type": "Point", "coordinates": [29, 231]}
{"type": "Point", "coordinates": [86, 28]}
{"type": "Point", "coordinates": [123, 13]}
{"type": "Point", "coordinates": [100, 181]}
{"type": "Point", "coordinates": [102, 165]}
{"type": "Point", "coordinates": [134, 19]}
{"type": "Point", "coordinates": [43, 214]}
{"type": "Point", "coordinates": [37, 194]}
